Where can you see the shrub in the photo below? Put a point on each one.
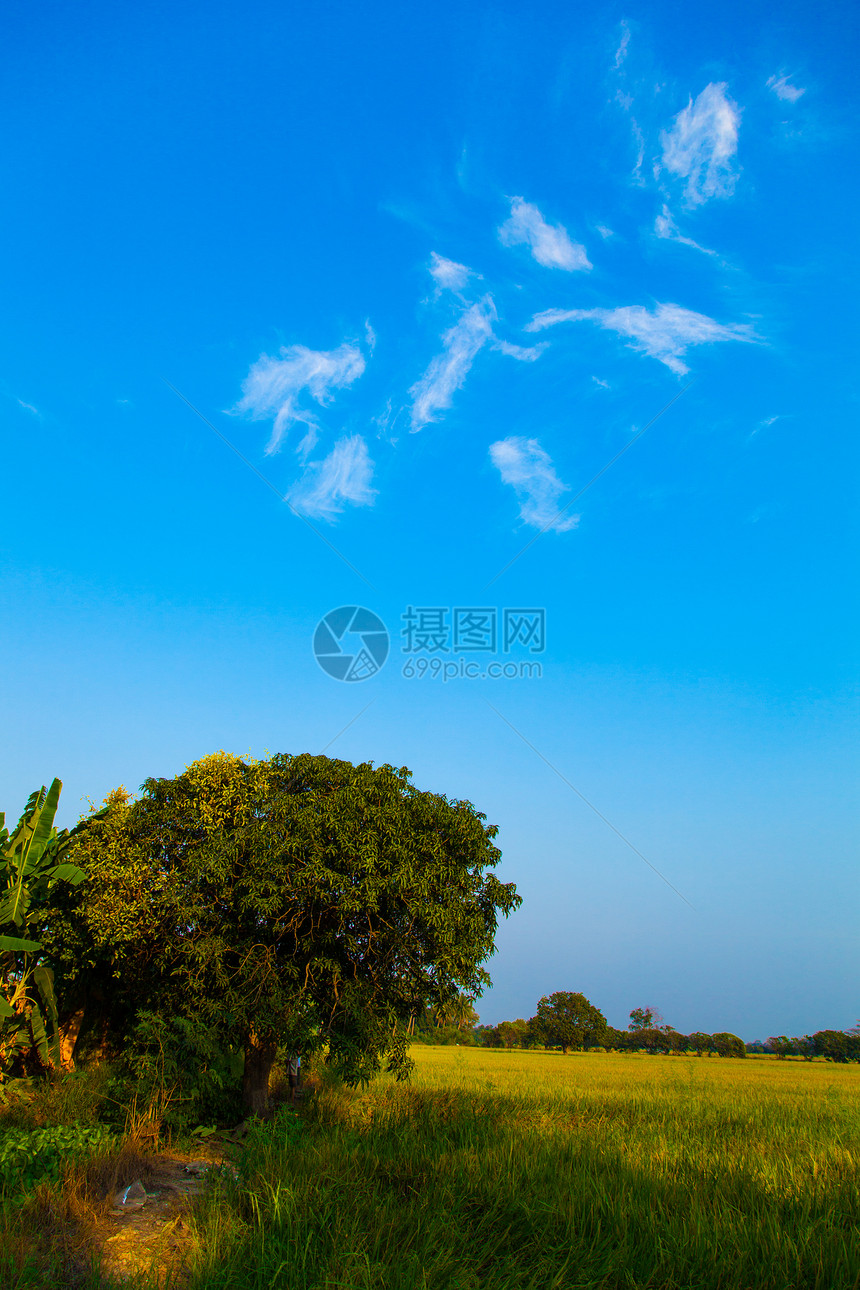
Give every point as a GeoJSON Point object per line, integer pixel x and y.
{"type": "Point", "coordinates": [29, 1156]}
{"type": "Point", "coordinates": [728, 1045]}
{"type": "Point", "coordinates": [174, 1067]}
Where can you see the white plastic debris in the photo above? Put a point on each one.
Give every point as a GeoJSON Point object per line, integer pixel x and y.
{"type": "Point", "coordinates": [131, 1197]}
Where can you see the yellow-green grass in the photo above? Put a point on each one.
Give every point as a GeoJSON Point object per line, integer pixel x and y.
{"type": "Point", "coordinates": [517, 1169]}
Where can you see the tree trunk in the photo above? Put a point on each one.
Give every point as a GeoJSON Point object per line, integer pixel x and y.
{"type": "Point", "coordinates": [69, 1032]}
{"type": "Point", "coordinates": [259, 1057]}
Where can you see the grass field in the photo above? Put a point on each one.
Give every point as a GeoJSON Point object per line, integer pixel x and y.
{"type": "Point", "coordinates": [508, 1170]}
{"type": "Point", "coordinates": [518, 1169]}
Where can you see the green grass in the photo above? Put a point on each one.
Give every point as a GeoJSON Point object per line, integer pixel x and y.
{"type": "Point", "coordinates": [510, 1170]}
{"type": "Point", "coordinates": [496, 1169]}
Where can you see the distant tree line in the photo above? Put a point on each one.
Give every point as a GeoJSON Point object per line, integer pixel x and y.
{"type": "Point", "coordinates": [566, 1020]}
{"type": "Point", "coordinates": [834, 1045]}
{"type": "Point", "coordinates": [451, 1023]}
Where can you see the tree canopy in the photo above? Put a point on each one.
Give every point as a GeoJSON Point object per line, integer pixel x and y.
{"type": "Point", "coordinates": [292, 900]}
{"type": "Point", "coordinates": [645, 1019]}
{"type": "Point", "coordinates": [569, 1020]}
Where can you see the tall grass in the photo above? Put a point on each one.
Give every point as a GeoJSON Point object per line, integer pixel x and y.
{"type": "Point", "coordinates": [49, 1225]}
{"type": "Point", "coordinates": [510, 1170]}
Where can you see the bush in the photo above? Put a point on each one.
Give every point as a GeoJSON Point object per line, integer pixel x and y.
{"type": "Point", "coordinates": [178, 1069]}
{"type": "Point", "coordinates": [728, 1045]}
{"type": "Point", "coordinates": [29, 1156]}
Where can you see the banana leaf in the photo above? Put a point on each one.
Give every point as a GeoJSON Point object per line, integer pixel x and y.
{"type": "Point", "coordinates": [44, 978]}
{"type": "Point", "coordinates": [15, 945]}
{"type": "Point", "coordinates": [40, 1035]}
{"type": "Point", "coordinates": [66, 873]}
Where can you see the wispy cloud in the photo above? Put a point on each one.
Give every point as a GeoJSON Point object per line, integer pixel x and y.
{"type": "Point", "coordinates": [783, 89]}
{"type": "Point", "coordinates": [273, 386]}
{"type": "Point", "coordinates": [764, 424]}
{"type": "Point", "coordinates": [28, 407]}
{"type": "Point", "coordinates": [550, 244]}
{"type": "Point", "coordinates": [343, 477]}
{"type": "Point", "coordinates": [448, 274]}
{"type": "Point", "coordinates": [605, 232]}
{"type": "Point", "coordinates": [665, 227]}
{"type": "Point", "coordinates": [701, 145]}
{"type": "Point", "coordinates": [524, 353]}
{"type": "Point", "coordinates": [666, 333]}
{"type": "Point", "coordinates": [525, 465]}
{"type": "Point", "coordinates": [621, 51]}
{"type": "Point", "coordinates": [625, 102]}
{"type": "Point", "coordinates": [448, 370]}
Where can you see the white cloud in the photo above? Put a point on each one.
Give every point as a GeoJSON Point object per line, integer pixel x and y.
{"type": "Point", "coordinates": [272, 387]}
{"type": "Point", "coordinates": [524, 465]}
{"type": "Point", "coordinates": [625, 101]}
{"type": "Point", "coordinates": [764, 424]}
{"type": "Point", "coordinates": [605, 232]}
{"type": "Point", "coordinates": [665, 226]}
{"type": "Point", "coordinates": [344, 476]}
{"type": "Point", "coordinates": [783, 89]}
{"type": "Point", "coordinates": [524, 353]}
{"type": "Point", "coordinates": [28, 407]}
{"type": "Point", "coordinates": [448, 370]}
{"type": "Point", "coordinates": [621, 51]}
{"type": "Point", "coordinates": [604, 385]}
{"type": "Point", "coordinates": [550, 244]}
{"type": "Point", "coordinates": [701, 145]}
{"type": "Point", "coordinates": [448, 274]}
{"type": "Point", "coordinates": [664, 334]}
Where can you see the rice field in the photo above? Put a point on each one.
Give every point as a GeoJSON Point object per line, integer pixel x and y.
{"type": "Point", "coordinates": [510, 1170]}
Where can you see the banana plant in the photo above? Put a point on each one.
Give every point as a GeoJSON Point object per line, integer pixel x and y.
{"type": "Point", "coordinates": [31, 863]}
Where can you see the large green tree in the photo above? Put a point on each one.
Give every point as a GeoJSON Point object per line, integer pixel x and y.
{"type": "Point", "coordinates": [569, 1021]}
{"type": "Point", "coordinates": [277, 899]}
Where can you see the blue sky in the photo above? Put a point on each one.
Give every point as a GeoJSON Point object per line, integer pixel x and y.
{"type": "Point", "coordinates": [427, 271]}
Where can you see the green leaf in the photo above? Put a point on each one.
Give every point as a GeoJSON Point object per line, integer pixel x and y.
{"type": "Point", "coordinates": [44, 978]}
{"type": "Point", "coordinates": [66, 873]}
{"type": "Point", "coordinates": [6, 1009]}
{"type": "Point", "coordinates": [40, 1035]}
{"type": "Point", "coordinates": [34, 802]}
{"type": "Point", "coordinates": [42, 833]}
{"type": "Point", "coordinates": [16, 945]}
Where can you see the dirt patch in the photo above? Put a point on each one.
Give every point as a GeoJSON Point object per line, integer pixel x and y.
{"type": "Point", "coordinates": [156, 1235]}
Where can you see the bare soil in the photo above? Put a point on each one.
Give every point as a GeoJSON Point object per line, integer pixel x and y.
{"type": "Point", "coordinates": [159, 1236]}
